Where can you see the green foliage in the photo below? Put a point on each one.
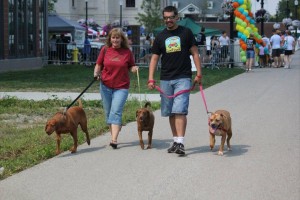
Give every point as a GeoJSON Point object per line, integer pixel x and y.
{"type": "Point", "coordinates": [51, 5]}
{"type": "Point", "coordinates": [286, 7]}
{"type": "Point", "coordinates": [151, 17]}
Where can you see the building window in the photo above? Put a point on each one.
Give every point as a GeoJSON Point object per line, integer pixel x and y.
{"type": "Point", "coordinates": [130, 3]}
{"type": "Point", "coordinates": [210, 5]}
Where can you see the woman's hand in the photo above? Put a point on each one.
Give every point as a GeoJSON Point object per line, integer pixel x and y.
{"type": "Point", "coordinates": [134, 69]}
{"type": "Point", "coordinates": [97, 72]}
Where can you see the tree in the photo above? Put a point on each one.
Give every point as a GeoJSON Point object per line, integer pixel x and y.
{"type": "Point", "coordinates": [151, 17]}
{"type": "Point", "coordinates": [285, 8]}
{"type": "Point", "coordinates": [51, 5]}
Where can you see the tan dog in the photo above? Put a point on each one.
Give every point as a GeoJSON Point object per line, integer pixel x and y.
{"type": "Point", "coordinates": [220, 125]}
{"type": "Point", "coordinates": [145, 122]}
{"type": "Point", "coordinates": [68, 123]}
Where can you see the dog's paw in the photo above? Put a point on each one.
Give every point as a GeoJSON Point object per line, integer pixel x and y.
{"type": "Point", "coordinates": [149, 147]}
{"type": "Point", "coordinates": [229, 149]}
{"type": "Point", "coordinates": [73, 150]}
{"type": "Point", "coordinates": [220, 153]}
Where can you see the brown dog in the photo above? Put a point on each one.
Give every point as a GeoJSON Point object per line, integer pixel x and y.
{"type": "Point", "coordinates": [220, 125]}
{"type": "Point", "coordinates": [68, 123]}
{"type": "Point", "coordinates": [145, 122]}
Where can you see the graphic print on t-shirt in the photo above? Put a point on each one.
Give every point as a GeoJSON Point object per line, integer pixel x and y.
{"type": "Point", "coordinates": [173, 44]}
{"type": "Point", "coordinates": [249, 44]}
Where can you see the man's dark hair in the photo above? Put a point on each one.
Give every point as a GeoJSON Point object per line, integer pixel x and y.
{"type": "Point", "coordinates": [202, 29]}
{"type": "Point", "coordinates": [170, 9]}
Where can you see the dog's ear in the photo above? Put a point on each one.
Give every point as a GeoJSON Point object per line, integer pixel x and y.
{"type": "Point", "coordinates": [136, 113]}
{"type": "Point", "coordinates": [224, 116]}
{"type": "Point", "coordinates": [147, 105]}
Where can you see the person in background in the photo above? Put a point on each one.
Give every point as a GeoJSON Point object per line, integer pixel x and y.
{"type": "Point", "coordinates": [261, 55]}
{"type": "Point", "coordinates": [267, 49]}
{"type": "Point", "coordinates": [62, 44]}
{"type": "Point", "coordinates": [290, 48]}
{"type": "Point", "coordinates": [112, 68]}
{"type": "Point", "coordinates": [282, 35]}
{"type": "Point", "coordinates": [201, 43]}
{"type": "Point", "coordinates": [275, 44]}
{"type": "Point", "coordinates": [86, 51]}
{"type": "Point", "coordinates": [175, 44]}
{"type": "Point", "coordinates": [267, 56]}
{"type": "Point", "coordinates": [250, 52]}
{"type": "Point", "coordinates": [52, 49]}
{"type": "Point", "coordinates": [224, 42]}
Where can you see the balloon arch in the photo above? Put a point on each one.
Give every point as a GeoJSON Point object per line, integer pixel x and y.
{"type": "Point", "coordinates": [245, 23]}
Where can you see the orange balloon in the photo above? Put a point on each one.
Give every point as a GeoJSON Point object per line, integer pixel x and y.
{"type": "Point", "coordinates": [244, 47]}
{"type": "Point", "coordinates": [243, 17]}
{"type": "Point", "coordinates": [235, 4]}
{"type": "Point", "coordinates": [250, 14]}
{"type": "Point", "coordinates": [237, 13]}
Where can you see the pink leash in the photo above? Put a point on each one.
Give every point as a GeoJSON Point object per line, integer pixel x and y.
{"type": "Point", "coordinates": [184, 91]}
{"type": "Point", "coordinates": [203, 97]}
{"type": "Point", "coordinates": [176, 94]}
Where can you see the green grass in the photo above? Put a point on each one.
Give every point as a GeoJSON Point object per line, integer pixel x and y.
{"type": "Point", "coordinates": [23, 141]}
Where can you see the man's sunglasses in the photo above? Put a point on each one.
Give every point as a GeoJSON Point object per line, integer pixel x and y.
{"type": "Point", "coordinates": [170, 17]}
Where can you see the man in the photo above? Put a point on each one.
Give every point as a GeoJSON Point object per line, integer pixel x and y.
{"type": "Point", "coordinates": [275, 41]}
{"type": "Point", "coordinates": [201, 43]}
{"type": "Point", "coordinates": [175, 44]}
{"type": "Point", "coordinates": [224, 43]}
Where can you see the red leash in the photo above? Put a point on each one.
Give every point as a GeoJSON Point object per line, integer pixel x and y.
{"type": "Point", "coordinates": [176, 94]}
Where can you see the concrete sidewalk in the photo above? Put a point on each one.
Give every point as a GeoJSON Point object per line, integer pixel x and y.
{"type": "Point", "coordinates": [264, 163]}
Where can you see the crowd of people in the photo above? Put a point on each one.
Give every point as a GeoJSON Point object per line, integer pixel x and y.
{"type": "Point", "coordinates": [275, 52]}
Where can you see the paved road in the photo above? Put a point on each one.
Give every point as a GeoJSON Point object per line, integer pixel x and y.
{"type": "Point", "coordinates": [264, 163]}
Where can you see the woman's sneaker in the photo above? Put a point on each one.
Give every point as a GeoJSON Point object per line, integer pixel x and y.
{"type": "Point", "coordinates": [180, 149]}
{"type": "Point", "coordinates": [173, 148]}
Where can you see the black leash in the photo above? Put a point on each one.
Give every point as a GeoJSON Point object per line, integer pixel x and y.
{"type": "Point", "coordinates": [80, 94]}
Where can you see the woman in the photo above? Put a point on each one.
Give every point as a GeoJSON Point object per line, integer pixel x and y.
{"type": "Point", "coordinates": [250, 53]}
{"type": "Point", "coordinates": [290, 48]}
{"type": "Point", "coordinates": [113, 64]}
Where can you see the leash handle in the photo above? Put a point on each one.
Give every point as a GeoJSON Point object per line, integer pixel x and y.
{"type": "Point", "coordinates": [81, 94]}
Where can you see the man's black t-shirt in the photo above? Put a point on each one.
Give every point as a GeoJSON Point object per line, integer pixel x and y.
{"type": "Point", "coordinates": [174, 46]}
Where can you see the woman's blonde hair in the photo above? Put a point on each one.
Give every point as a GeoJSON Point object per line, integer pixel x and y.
{"type": "Point", "coordinates": [117, 32]}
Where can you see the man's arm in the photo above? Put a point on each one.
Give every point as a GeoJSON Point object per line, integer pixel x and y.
{"type": "Point", "coordinates": [196, 57]}
{"type": "Point", "coordinates": [152, 67]}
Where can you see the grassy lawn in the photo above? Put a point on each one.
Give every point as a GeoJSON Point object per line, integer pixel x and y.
{"type": "Point", "coordinates": [23, 141]}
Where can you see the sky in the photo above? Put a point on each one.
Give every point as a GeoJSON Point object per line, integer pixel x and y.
{"type": "Point", "coordinates": [269, 5]}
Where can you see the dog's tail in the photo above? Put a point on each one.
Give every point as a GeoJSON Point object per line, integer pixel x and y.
{"type": "Point", "coordinates": [80, 103]}
{"type": "Point", "coordinates": [147, 104]}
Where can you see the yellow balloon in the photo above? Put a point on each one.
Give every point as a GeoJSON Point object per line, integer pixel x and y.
{"type": "Point", "coordinates": [246, 32]}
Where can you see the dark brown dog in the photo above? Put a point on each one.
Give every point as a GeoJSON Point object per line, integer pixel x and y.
{"type": "Point", "coordinates": [68, 123]}
{"type": "Point", "coordinates": [145, 122]}
{"type": "Point", "coordinates": [220, 125]}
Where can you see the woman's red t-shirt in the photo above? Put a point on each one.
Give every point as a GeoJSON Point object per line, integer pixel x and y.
{"type": "Point", "coordinates": [116, 64]}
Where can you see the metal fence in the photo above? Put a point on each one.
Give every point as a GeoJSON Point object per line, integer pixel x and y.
{"type": "Point", "coordinates": [227, 56]}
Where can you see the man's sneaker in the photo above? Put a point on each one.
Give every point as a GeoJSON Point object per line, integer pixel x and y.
{"type": "Point", "coordinates": [173, 148]}
{"type": "Point", "coordinates": [180, 149]}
